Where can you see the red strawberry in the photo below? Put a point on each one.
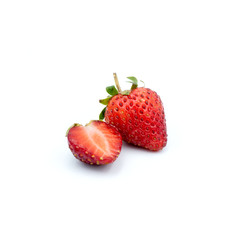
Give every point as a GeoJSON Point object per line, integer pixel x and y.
{"type": "Point", "coordinates": [96, 143]}
{"type": "Point", "coordinates": [138, 115]}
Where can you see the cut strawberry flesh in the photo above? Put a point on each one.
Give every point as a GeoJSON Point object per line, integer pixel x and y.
{"type": "Point", "coordinates": [96, 143]}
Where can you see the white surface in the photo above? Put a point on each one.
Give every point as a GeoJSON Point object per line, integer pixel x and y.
{"type": "Point", "coordinates": [57, 57]}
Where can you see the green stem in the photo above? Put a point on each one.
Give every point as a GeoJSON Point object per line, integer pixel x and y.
{"type": "Point", "coordinates": [117, 83]}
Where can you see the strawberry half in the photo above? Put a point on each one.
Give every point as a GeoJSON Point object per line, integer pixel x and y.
{"type": "Point", "coordinates": [97, 143]}
{"type": "Point", "coordinates": [138, 114]}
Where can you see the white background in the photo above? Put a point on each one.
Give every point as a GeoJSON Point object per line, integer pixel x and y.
{"type": "Point", "coordinates": [57, 57]}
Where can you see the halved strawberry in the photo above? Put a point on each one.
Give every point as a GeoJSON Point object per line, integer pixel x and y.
{"type": "Point", "coordinates": [97, 143]}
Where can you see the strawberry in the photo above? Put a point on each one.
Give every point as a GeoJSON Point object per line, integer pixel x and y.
{"type": "Point", "coordinates": [138, 114]}
{"type": "Point", "coordinates": [97, 143]}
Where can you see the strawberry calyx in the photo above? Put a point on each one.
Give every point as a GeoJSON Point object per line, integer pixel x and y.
{"type": "Point", "coordinates": [126, 92]}
{"type": "Point", "coordinates": [106, 100]}
{"type": "Point", "coordinates": [112, 91]}
{"type": "Point", "coordinates": [134, 82]}
{"type": "Point", "coordinates": [102, 114]}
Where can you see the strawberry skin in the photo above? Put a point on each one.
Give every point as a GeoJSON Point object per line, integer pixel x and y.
{"type": "Point", "coordinates": [97, 143]}
{"type": "Point", "coordinates": [139, 117]}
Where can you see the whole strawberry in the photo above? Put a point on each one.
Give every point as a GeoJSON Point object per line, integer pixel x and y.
{"type": "Point", "coordinates": [138, 114]}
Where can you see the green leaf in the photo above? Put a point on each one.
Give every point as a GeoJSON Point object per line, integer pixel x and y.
{"type": "Point", "coordinates": [133, 80]}
{"type": "Point", "coordinates": [102, 114]}
{"type": "Point", "coordinates": [105, 101]}
{"type": "Point", "coordinates": [112, 90]}
{"type": "Point", "coordinates": [134, 86]}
